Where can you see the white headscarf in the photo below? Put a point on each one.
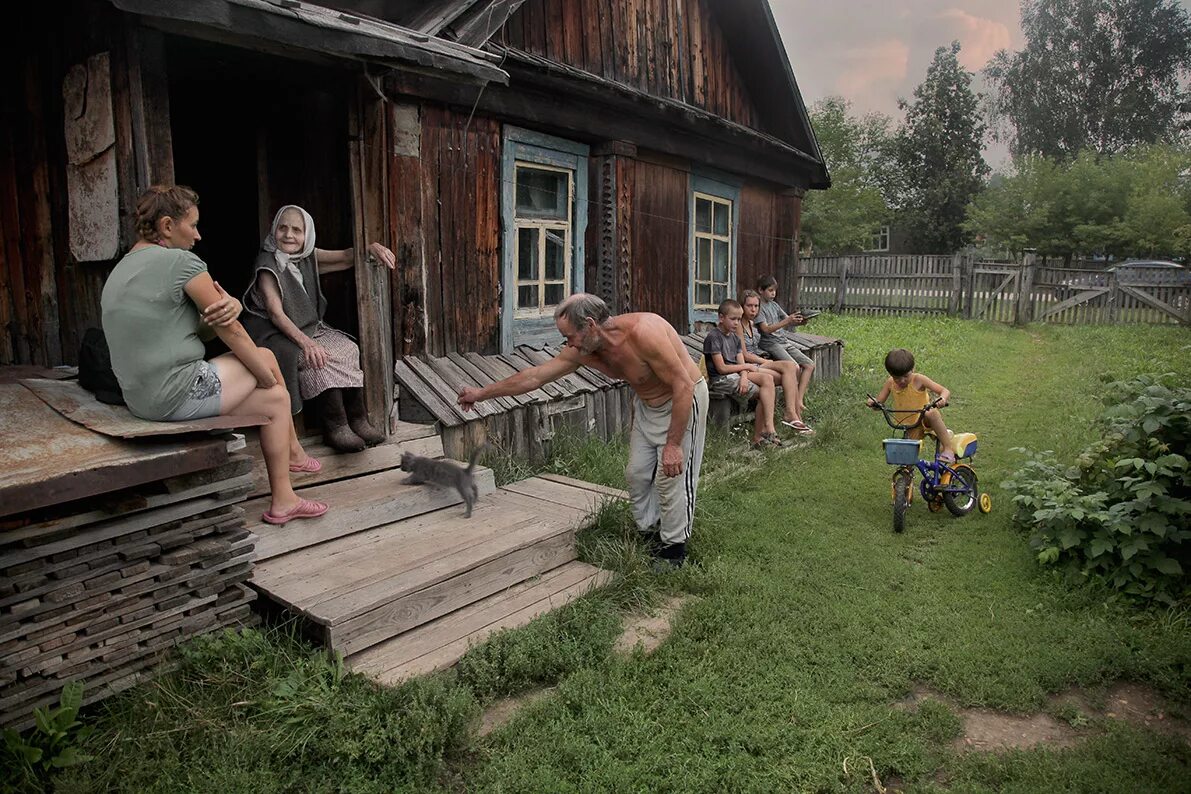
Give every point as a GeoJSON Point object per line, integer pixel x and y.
{"type": "Point", "coordinates": [290, 261]}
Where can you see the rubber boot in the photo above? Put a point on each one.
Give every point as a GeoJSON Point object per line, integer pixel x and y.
{"type": "Point", "coordinates": [336, 432]}
{"type": "Point", "coordinates": [357, 417]}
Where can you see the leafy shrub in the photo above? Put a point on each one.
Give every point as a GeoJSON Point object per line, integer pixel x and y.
{"type": "Point", "coordinates": [1121, 514]}
{"type": "Point", "coordinates": [52, 744]}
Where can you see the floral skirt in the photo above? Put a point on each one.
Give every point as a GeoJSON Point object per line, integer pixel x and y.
{"type": "Point", "coordinates": [342, 370]}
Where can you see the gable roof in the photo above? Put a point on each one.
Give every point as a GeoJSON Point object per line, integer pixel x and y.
{"type": "Point", "coordinates": [755, 45]}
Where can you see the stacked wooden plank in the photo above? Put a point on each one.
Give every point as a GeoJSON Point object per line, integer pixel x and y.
{"type": "Point", "coordinates": [95, 590]}
{"type": "Point", "coordinates": [587, 401]}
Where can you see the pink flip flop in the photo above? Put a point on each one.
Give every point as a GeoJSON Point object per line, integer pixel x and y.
{"type": "Point", "coordinates": [306, 509]}
{"type": "Point", "coordinates": [311, 465]}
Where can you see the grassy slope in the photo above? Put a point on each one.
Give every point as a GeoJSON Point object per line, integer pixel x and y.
{"type": "Point", "coordinates": [813, 619]}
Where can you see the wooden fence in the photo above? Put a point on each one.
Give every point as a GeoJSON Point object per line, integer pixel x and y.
{"type": "Point", "coordinates": [1013, 292]}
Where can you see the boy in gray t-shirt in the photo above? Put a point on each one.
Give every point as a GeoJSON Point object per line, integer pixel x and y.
{"type": "Point", "coordinates": [729, 375]}
{"type": "Point", "coordinates": [772, 321]}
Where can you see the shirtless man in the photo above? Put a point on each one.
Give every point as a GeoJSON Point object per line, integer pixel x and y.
{"type": "Point", "coordinates": [670, 409]}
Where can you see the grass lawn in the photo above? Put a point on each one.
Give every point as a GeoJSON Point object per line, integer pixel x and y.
{"type": "Point", "coordinates": [811, 620]}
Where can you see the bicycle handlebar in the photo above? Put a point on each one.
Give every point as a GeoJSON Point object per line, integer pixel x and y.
{"type": "Point", "coordinates": [886, 411]}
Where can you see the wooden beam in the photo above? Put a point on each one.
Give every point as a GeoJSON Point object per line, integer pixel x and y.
{"type": "Point", "coordinates": [1157, 303]}
{"type": "Point", "coordinates": [1074, 300]}
{"type": "Point", "coordinates": [369, 135]}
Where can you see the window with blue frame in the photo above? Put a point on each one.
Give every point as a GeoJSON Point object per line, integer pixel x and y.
{"type": "Point", "coordinates": [714, 230]}
{"type": "Point", "coordinates": [544, 214]}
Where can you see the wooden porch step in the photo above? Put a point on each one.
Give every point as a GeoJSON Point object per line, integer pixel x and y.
{"type": "Point", "coordinates": [406, 437]}
{"type": "Point", "coordinates": [441, 642]}
{"type": "Point", "coordinates": [367, 587]}
{"type": "Point", "coordinates": [357, 504]}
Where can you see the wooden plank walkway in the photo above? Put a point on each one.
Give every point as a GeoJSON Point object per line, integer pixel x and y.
{"type": "Point", "coordinates": [392, 559]}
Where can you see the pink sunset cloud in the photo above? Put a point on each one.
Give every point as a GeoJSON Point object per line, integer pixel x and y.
{"type": "Point", "coordinates": [873, 69]}
{"type": "Point", "coordinates": [981, 37]}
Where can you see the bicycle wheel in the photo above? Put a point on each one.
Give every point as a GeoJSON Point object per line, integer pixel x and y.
{"type": "Point", "coordinates": [903, 481]}
{"type": "Point", "coordinates": [960, 503]}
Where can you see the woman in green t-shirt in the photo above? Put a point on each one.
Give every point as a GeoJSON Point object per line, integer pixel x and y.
{"type": "Point", "coordinates": [157, 303]}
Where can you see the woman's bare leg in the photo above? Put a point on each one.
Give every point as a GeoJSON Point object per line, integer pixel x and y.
{"type": "Point", "coordinates": [787, 371]}
{"type": "Point", "coordinates": [765, 404]}
{"type": "Point", "coordinates": [242, 396]}
{"type": "Point", "coordinates": [804, 383]}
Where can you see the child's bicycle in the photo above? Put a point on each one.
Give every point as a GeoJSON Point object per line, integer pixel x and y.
{"type": "Point", "coordinates": [953, 485]}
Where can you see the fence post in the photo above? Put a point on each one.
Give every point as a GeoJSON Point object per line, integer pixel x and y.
{"type": "Point", "coordinates": [1025, 287]}
{"type": "Point", "coordinates": [969, 281]}
{"type": "Point", "coordinates": [1115, 298]}
{"type": "Point", "coordinates": [842, 287]}
{"type": "Point", "coordinates": [953, 300]}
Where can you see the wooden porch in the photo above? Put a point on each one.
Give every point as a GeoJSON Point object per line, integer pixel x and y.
{"type": "Point", "coordinates": [396, 579]}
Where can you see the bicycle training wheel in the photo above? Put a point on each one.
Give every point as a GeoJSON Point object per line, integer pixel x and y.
{"type": "Point", "coordinates": [960, 503]}
{"type": "Point", "coordinates": [985, 503]}
{"type": "Point", "coordinates": [902, 483]}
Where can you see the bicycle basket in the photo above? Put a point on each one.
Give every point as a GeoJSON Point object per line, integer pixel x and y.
{"type": "Point", "coordinates": [901, 451]}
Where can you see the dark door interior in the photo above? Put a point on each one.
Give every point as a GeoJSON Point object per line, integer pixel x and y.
{"type": "Point", "coordinates": [252, 132]}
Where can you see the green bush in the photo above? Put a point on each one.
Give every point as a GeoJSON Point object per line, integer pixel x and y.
{"type": "Point", "coordinates": [1120, 514]}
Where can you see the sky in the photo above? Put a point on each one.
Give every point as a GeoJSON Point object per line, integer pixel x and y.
{"type": "Point", "coordinates": [872, 52]}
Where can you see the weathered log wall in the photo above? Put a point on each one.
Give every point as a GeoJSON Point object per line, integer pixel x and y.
{"type": "Point", "coordinates": [667, 48]}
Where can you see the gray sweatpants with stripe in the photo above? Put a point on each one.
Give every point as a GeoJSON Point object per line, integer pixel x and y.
{"type": "Point", "coordinates": [656, 497]}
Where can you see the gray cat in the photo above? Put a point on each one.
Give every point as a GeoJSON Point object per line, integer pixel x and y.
{"type": "Point", "coordinates": [440, 471]}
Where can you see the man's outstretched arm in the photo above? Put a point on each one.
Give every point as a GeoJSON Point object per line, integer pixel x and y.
{"type": "Point", "coordinates": [566, 362]}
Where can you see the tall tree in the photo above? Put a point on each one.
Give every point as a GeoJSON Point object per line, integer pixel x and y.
{"type": "Point", "coordinates": [1094, 74]}
{"type": "Point", "coordinates": [857, 153]}
{"type": "Point", "coordinates": [940, 165]}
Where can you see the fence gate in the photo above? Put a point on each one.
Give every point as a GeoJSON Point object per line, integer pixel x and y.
{"type": "Point", "coordinates": [993, 292]}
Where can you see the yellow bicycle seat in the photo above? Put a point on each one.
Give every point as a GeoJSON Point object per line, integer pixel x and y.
{"type": "Point", "coordinates": [963, 444]}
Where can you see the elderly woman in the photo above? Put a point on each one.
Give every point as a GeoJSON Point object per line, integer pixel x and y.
{"type": "Point", "coordinates": [158, 304]}
{"type": "Point", "coordinates": [285, 307]}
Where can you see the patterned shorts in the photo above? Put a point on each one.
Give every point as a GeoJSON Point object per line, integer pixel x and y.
{"type": "Point", "coordinates": [203, 397]}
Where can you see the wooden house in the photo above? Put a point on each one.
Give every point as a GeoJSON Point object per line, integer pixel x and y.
{"type": "Point", "coordinates": [510, 152]}
{"type": "Point", "coordinates": [654, 152]}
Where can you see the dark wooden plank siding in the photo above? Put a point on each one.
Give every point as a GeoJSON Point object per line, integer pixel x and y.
{"type": "Point", "coordinates": [659, 240]}
{"type": "Point", "coordinates": [756, 250]}
{"type": "Point", "coordinates": [460, 187]}
{"type": "Point", "coordinates": [787, 225]}
{"type": "Point", "coordinates": [46, 299]}
{"type": "Point", "coordinates": [667, 48]}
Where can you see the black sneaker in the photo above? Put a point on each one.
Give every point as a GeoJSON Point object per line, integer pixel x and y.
{"type": "Point", "coordinates": [669, 557]}
{"type": "Point", "coordinates": [651, 539]}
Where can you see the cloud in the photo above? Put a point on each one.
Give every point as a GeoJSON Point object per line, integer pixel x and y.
{"type": "Point", "coordinates": [872, 70]}
{"type": "Point", "coordinates": [981, 37]}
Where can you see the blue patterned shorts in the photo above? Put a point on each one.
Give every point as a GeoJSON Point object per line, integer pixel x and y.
{"type": "Point", "coordinates": [203, 397]}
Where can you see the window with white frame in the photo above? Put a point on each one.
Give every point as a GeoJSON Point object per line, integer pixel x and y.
{"type": "Point", "coordinates": [880, 240]}
{"type": "Point", "coordinates": [544, 208]}
{"type": "Point", "coordinates": [712, 251]}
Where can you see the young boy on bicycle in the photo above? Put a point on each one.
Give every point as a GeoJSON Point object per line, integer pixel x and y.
{"type": "Point", "coordinates": [911, 393]}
